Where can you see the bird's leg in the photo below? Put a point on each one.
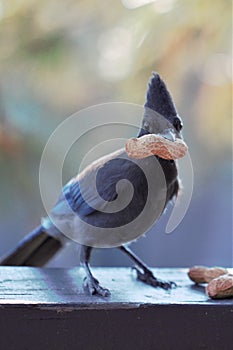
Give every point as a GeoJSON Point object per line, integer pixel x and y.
{"type": "Point", "coordinates": [144, 274]}
{"type": "Point", "coordinates": [90, 284]}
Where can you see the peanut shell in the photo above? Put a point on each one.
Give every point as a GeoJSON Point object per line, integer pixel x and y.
{"type": "Point", "coordinates": [221, 287]}
{"type": "Point", "coordinates": [154, 144]}
{"type": "Point", "coordinates": [202, 274]}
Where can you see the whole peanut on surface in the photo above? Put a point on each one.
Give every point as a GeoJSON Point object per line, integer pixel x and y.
{"type": "Point", "coordinates": [202, 274]}
{"type": "Point", "coordinates": [220, 287]}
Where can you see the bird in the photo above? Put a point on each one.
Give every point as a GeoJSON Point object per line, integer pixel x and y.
{"type": "Point", "coordinates": [91, 208]}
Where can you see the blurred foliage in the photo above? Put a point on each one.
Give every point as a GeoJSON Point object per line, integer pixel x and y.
{"type": "Point", "coordinates": [58, 57]}
{"type": "Point", "coordinates": [57, 54]}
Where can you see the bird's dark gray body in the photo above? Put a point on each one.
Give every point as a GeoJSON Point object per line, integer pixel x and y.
{"type": "Point", "coordinates": [101, 206]}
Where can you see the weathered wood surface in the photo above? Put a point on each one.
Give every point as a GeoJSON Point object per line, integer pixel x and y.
{"type": "Point", "coordinates": [46, 309]}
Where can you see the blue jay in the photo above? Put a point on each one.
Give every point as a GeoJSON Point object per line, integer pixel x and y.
{"type": "Point", "coordinates": [80, 210]}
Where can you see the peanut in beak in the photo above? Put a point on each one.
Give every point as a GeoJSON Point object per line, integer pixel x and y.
{"type": "Point", "coordinates": [155, 144]}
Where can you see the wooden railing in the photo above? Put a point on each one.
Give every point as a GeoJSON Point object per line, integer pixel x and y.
{"type": "Point", "coordinates": [46, 309]}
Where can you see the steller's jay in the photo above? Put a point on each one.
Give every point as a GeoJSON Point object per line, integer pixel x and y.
{"type": "Point", "coordinates": [81, 214]}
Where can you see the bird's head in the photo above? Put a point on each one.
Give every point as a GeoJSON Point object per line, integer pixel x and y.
{"type": "Point", "coordinates": [160, 116]}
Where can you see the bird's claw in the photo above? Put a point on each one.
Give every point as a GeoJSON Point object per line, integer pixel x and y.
{"type": "Point", "coordinates": [148, 278]}
{"type": "Point", "coordinates": [92, 287]}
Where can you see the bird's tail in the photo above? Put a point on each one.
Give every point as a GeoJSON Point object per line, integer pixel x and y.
{"type": "Point", "coordinates": [35, 249]}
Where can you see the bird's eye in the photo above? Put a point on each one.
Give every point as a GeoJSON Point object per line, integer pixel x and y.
{"type": "Point", "coordinates": [178, 125]}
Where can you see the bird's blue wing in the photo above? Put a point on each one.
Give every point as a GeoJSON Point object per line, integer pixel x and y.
{"type": "Point", "coordinates": [75, 199]}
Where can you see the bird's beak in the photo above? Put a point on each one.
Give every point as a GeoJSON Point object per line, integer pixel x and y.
{"type": "Point", "coordinates": [168, 134]}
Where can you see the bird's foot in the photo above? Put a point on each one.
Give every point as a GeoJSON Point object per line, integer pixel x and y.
{"type": "Point", "coordinates": [92, 287]}
{"type": "Point", "coordinates": [148, 278]}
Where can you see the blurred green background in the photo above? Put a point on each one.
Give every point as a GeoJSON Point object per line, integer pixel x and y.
{"type": "Point", "coordinates": [59, 57]}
